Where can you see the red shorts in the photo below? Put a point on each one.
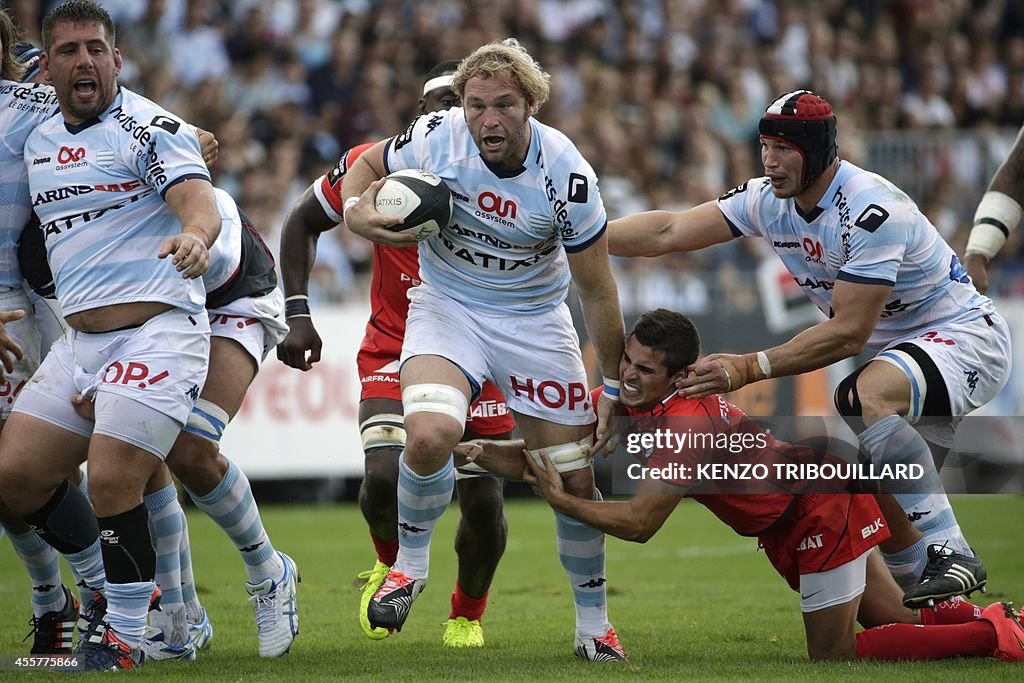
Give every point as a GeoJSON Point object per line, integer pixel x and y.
{"type": "Point", "coordinates": [378, 375]}
{"type": "Point", "coordinates": [822, 532]}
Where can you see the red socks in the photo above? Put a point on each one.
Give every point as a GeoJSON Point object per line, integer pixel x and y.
{"type": "Point", "coordinates": [956, 610]}
{"type": "Point", "coordinates": [911, 641]}
{"type": "Point", "coordinates": [466, 606]}
{"type": "Point", "coordinates": [387, 549]}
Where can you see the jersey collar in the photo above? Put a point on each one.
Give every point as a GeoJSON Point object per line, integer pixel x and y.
{"type": "Point", "coordinates": [76, 128]}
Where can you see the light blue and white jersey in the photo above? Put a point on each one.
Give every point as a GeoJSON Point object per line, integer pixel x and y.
{"type": "Point", "coordinates": [98, 189]}
{"type": "Point", "coordinates": [23, 106]}
{"type": "Point", "coordinates": [504, 250]}
{"type": "Point", "coordinates": [864, 230]}
{"type": "Point", "coordinates": [226, 252]}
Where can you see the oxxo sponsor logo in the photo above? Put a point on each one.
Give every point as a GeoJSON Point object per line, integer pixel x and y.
{"type": "Point", "coordinates": [492, 203]}
{"type": "Point", "coordinates": [814, 252]}
{"type": "Point", "coordinates": [552, 394]}
{"type": "Point", "coordinates": [872, 528]}
{"type": "Point", "coordinates": [69, 158]}
{"type": "Point", "coordinates": [138, 374]}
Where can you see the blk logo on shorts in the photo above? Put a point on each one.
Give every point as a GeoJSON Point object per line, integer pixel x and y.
{"type": "Point", "coordinates": [872, 528]}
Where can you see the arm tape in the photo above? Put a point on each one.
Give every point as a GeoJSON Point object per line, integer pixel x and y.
{"type": "Point", "coordinates": [996, 216]}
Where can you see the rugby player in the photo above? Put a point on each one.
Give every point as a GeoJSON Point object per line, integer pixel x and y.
{"type": "Point", "coordinates": [821, 543]}
{"type": "Point", "coordinates": [132, 303]}
{"type": "Point", "coordinates": [482, 532]}
{"type": "Point", "coordinates": [528, 218]}
{"type": "Point", "coordinates": [873, 263]}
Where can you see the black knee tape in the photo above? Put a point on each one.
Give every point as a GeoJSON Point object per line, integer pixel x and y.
{"type": "Point", "coordinates": [128, 554]}
{"type": "Point", "coordinates": [67, 521]}
{"type": "Point", "coordinates": [847, 401]}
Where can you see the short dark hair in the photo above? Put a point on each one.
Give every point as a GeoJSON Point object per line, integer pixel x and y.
{"type": "Point", "coordinates": [76, 11]}
{"type": "Point", "coordinates": [671, 333]}
{"type": "Point", "coordinates": [446, 67]}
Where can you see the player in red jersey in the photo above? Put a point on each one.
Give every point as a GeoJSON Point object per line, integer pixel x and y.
{"type": "Point", "coordinates": [822, 544]}
{"type": "Point", "coordinates": [482, 532]}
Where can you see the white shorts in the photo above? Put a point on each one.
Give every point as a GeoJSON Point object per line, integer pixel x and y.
{"type": "Point", "coordinates": [161, 366]}
{"type": "Point", "coordinates": [25, 334]}
{"type": "Point", "coordinates": [835, 586]}
{"type": "Point", "coordinates": [534, 360]}
{"type": "Point", "coordinates": [953, 369]}
{"type": "Point", "coordinates": [257, 323]}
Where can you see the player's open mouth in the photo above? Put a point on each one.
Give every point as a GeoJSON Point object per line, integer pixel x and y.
{"type": "Point", "coordinates": [629, 390]}
{"type": "Point", "coordinates": [493, 142]}
{"type": "Point", "coordinates": [85, 87]}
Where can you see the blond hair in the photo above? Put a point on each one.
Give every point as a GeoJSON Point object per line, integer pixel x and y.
{"type": "Point", "coordinates": [10, 68]}
{"type": "Point", "coordinates": [506, 56]}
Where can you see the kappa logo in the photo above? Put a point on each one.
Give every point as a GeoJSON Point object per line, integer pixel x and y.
{"type": "Point", "coordinates": [250, 548]}
{"type": "Point", "coordinates": [594, 583]}
{"type": "Point", "coordinates": [579, 190]}
{"type": "Point", "coordinates": [410, 529]}
{"type": "Point", "coordinates": [916, 516]}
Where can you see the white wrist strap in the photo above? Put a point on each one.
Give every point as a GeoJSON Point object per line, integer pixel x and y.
{"type": "Point", "coordinates": [762, 362]}
{"type": "Point", "coordinates": [349, 203]}
{"type": "Point", "coordinates": [997, 215]}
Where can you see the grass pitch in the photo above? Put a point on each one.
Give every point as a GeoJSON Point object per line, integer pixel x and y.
{"type": "Point", "coordinates": [695, 603]}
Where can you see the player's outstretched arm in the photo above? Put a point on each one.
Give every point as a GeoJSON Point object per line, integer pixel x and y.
{"type": "Point", "coordinates": [654, 233]}
{"type": "Point", "coordinates": [360, 193]}
{"type": "Point", "coordinates": [856, 308]}
{"type": "Point", "coordinates": [9, 349]}
{"type": "Point", "coordinates": [599, 299]}
{"type": "Point", "coordinates": [305, 222]}
{"type": "Point", "coordinates": [997, 215]}
{"type": "Point", "coordinates": [195, 205]}
{"type": "Point", "coordinates": [635, 520]}
{"type": "Point", "coordinates": [502, 458]}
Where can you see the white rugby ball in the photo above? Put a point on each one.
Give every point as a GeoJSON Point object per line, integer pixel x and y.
{"type": "Point", "coordinates": [420, 197]}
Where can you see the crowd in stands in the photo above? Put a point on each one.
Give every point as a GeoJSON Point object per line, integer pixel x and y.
{"type": "Point", "coordinates": [661, 96]}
